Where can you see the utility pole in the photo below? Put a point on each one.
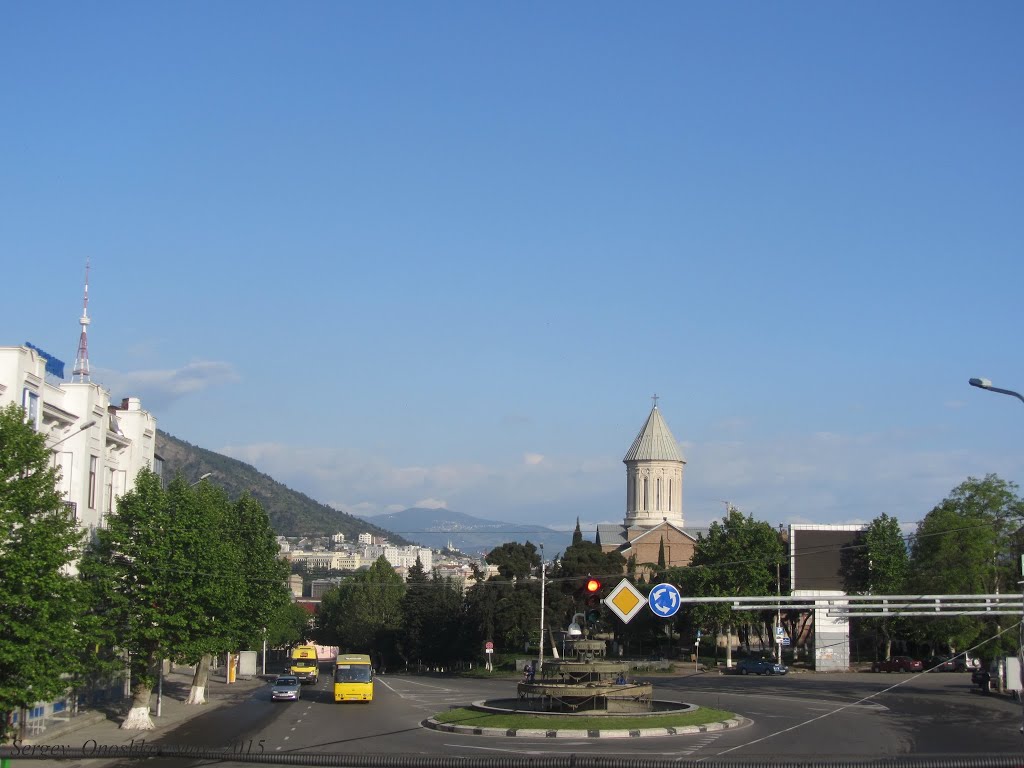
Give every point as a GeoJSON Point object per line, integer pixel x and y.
{"type": "Point", "coordinates": [778, 615]}
{"type": "Point", "coordinates": [540, 644]}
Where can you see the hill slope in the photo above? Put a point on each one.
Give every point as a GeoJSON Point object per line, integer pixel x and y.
{"type": "Point", "coordinates": [291, 513]}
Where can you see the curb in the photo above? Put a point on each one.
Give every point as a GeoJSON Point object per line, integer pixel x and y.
{"type": "Point", "coordinates": [575, 733]}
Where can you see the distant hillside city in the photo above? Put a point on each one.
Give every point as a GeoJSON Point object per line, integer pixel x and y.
{"type": "Point", "coordinates": [329, 555]}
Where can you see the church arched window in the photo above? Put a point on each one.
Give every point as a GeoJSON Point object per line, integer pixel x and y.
{"type": "Point", "coordinates": [645, 493]}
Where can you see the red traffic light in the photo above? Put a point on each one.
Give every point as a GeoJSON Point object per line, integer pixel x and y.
{"type": "Point", "coordinates": [593, 585]}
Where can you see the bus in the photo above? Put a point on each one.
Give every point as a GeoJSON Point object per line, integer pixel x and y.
{"type": "Point", "coordinates": [353, 678]}
{"type": "Point", "coordinates": [305, 664]}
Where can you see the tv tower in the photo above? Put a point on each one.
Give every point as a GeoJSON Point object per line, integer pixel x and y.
{"type": "Point", "coordinates": [81, 372]}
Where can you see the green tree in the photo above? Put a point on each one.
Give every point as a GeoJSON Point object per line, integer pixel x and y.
{"type": "Point", "coordinates": [208, 571]}
{"type": "Point", "coordinates": [965, 545]}
{"type": "Point", "coordinates": [482, 602]}
{"type": "Point", "coordinates": [264, 572]}
{"type": "Point", "coordinates": [131, 569]}
{"type": "Point", "coordinates": [514, 560]}
{"type": "Point", "coordinates": [446, 642]}
{"type": "Point", "coordinates": [242, 579]}
{"type": "Point", "coordinates": [363, 614]}
{"type": "Point", "coordinates": [40, 602]}
{"type": "Point", "coordinates": [287, 626]}
{"type": "Point", "coordinates": [737, 557]}
{"type": "Point", "coordinates": [878, 564]}
{"type": "Point", "coordinates": [577, 534]}
{"type": "Point", "coordinates": [416, 608]}
{"type": "Point", "coordinates": [578, 562]}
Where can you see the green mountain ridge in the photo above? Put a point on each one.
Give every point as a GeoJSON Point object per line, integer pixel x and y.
{"type": "Point", "coordinates": [291, 512]}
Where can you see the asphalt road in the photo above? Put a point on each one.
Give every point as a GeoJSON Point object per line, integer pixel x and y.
{"type": "Point", "coordinates": [839, 716]}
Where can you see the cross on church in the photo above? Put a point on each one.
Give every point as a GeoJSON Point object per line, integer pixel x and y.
{"type": "Point", "coordinates": [654, 397]}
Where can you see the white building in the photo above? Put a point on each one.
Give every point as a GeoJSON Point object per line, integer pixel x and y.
{"type": "Point", "coordinates": [366, 538]}
{"type": "Point", "coordinates": [99, 447]}
{"type": "Point", "coordinates": [404, 557]}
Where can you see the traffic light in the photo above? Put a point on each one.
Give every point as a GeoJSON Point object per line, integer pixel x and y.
{"type": "Point", "coordinates": [592, 600]}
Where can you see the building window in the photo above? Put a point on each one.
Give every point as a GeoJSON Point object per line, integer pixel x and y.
{"type": "Point", "coordinates": [670, 494]}
{"type": "Point", "coordinates": [110, 491]}
{"type": "Point", "coordinates": [630, 493]}
{"type": "Point", "coordinates": [30, 402]}
{"type": "Point", "coordinates": [658, 495]}
{"type": "Point", "coordinates": [645, 494]}
{"type": "Point", "coordinates": [92, 481]}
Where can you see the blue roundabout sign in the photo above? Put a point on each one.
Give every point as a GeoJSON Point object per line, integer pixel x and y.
{"type": "Point", "coordinates": [664, 600]}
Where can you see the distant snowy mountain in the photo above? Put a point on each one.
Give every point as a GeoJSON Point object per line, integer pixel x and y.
{"type": "Point", "coordinates": [435, 528]}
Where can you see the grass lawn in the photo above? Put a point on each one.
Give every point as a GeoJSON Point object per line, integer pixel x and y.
{"type": "Point", "coordinates": [476, 719]}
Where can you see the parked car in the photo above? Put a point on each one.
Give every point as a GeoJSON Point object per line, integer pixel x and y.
{"type": "Point", "coordinates": [760, 667]}
{"type": "Point", "coordinates": [286, 688]}
{"type": "Point", "coordinates": [987, 677]}
{"type": "Point", "coordinates": [898, 664]}
{"type": "Point", "coordinates": [941, 664]}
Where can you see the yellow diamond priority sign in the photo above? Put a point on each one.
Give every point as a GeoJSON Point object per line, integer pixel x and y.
{"type": "Point", "coordinates": [625, 601]}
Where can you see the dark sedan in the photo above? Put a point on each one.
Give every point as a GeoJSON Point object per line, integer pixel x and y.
{"type": "Point", "coordinates": [940, 664]}
{"type": "Point", "coordinates": [760, 667]}
{"type": "Point", "coordinates": [898, 664]}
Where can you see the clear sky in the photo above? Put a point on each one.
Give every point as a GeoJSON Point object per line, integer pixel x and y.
{"type": "Point", "coordinates": [444, 253]}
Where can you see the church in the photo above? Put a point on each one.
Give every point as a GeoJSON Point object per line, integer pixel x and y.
{"type": "Point", "coordinates": [654, 500]}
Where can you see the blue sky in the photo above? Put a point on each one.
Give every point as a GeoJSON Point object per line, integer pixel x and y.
{"type": "Point", "coordinates": [444, 253]}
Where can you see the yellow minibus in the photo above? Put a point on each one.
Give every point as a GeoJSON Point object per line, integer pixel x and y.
{"type": "Point", "coordinates": [353, 678]}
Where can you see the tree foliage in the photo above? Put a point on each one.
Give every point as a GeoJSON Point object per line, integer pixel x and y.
{"type": "Point", "coordinates": [181, 573]}
{"type": "Point", "coordinates": [40, 602]}
{"type": "Point", "coordinates": [879, 562]}
{"type": "Point", "coordinates": [514, 560]}
{"type": "Point", "coordinates": [739, 556]}
{"type": "Point", "coordinates": [967, 545]}
{"type": "Point", "coordinates": [363, 614]}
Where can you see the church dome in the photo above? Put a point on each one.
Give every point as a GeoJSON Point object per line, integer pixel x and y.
{"type": "Point", "coordinates": [655, 442]}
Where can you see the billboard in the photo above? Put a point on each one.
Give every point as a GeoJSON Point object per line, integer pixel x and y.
{"type": "Point", "coordinates": [816, 554]}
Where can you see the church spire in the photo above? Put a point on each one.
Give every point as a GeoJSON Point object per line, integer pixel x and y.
{"type": "Point", "coordinates": [654, 475]}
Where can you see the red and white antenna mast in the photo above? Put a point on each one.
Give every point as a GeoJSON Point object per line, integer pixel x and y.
{"type": "Point", "coordinates": [81, 372]}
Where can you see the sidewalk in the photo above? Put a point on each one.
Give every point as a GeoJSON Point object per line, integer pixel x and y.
{"type": "Point", "coordinates": [99, 731]}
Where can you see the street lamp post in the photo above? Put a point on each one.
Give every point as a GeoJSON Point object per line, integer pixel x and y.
{"type": "Point", "coordinates": [986, 384]}
{"type": "Point", "coordinates": [201, 478]}
{"type": "Point", "coordinates": [85, 426]}
{"type": "Point", "coordinates": [543, 578]}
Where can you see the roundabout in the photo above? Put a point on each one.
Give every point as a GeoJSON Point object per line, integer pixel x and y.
{"type": "Point", "coordinates": [583, 696]}
{"type": "Point", "coordinates": [490, 718]}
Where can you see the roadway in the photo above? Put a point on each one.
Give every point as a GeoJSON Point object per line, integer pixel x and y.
{"type": "Point", "coordinates": [837, 716]}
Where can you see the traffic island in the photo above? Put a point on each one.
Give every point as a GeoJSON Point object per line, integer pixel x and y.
{"type": "Point", "coordinates": [484, 719]}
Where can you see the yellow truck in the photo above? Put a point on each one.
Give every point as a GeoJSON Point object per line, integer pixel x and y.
{"type": "Point", "coordinates": [304, 664]}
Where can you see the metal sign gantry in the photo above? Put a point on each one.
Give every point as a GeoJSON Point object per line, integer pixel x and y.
{"type": "Point", "coordinates": [869, 606]}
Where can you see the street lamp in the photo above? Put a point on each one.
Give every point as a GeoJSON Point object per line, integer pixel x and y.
{"type": "Point", "coordinates": [82, 428]}
{"type": "Point", "coordinates": [201, 478]}
{"type": "Point", "coordinates": [986, 384]}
